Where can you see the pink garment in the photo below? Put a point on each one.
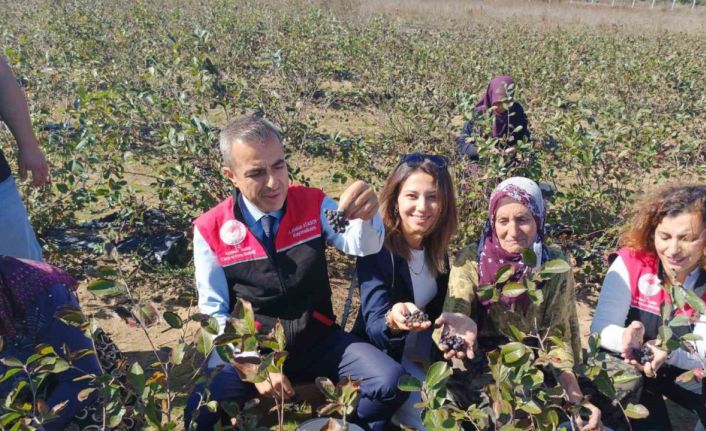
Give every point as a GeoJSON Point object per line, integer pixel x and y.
{"type": "Point", "coordinates": [21, 283]}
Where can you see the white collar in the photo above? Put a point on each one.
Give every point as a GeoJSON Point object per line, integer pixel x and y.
{"type": "Point", "coordinates": [256, 212]}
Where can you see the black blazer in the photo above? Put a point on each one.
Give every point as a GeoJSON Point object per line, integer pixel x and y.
{"type": "Point", "coordinates": [380, 289]}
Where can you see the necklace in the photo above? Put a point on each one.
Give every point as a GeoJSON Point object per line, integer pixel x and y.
{"type": "Point", "coordinates": [424, 262]}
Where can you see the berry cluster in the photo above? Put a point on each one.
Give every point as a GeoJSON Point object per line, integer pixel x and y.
{"type": "Point", "coordinates": [416, 316]}
{"type": "Point", "coordinates": [643, 355]}
{"type": "Point", "coordinates": [336, 220]}
{"type": "Point", "coordinates": [453, 342]}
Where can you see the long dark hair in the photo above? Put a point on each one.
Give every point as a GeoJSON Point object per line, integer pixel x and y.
{"type": "Point", "coordinates": [436, 241]}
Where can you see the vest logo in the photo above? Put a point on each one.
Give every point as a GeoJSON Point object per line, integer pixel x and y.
{"type": "Point", "coordinates": [232, 232]}
{"type": "Point", "coordinates": [649, 284]}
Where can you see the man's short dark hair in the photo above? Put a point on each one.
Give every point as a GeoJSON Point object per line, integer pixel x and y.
{"type": "Point", "coordinates": [251, 129]}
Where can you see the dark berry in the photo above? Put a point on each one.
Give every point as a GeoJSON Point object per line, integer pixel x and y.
{"type": "Point", "coordinates": [336, 220]}
{"type": "Point", "coordinates": [453, 342]}
{"type": "Point", "coordinates": [642, 355]}
{"type": "Point", "coordinates": [416, 316]}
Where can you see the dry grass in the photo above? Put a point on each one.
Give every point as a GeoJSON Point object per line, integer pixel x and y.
{"type": "Point", "coordinates": [546, 14]}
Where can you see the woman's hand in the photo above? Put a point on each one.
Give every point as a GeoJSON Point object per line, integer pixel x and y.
{"type": "Point", "coordinates": [632, 338]}
{"type": "Point", "coordinates": [594, 420]}
{"type": "Point", "coordinates": [659, 357]}
{"type": "Point", "coordinates": [398, 321]}
{"type": "Point", "coordinates": [463, 326]}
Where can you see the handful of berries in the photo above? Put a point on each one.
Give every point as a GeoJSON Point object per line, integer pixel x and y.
{"type": "Point", "coordinates": [453, 342]}
{"type": "Point", "coordinates": [643, 355]}
{"type": "Point", "coordinates": [417, 316]}
{"type": "Point", "coordinates": [336, 220]}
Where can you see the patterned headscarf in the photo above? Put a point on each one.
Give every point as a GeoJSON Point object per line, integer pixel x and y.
{"type": "Point", "coordinates": [21, 283]}
{"type": "Point", "coordinates": [491, 256]}
{"type": "Point", "coordinates": [496, 92]}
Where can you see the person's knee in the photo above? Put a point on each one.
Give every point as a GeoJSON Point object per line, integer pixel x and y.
{"type": "Point", "coordinates": [385, 384]}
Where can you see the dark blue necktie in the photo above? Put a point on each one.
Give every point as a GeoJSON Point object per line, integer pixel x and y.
{"type": "Point", "coordinates": [267, 222]}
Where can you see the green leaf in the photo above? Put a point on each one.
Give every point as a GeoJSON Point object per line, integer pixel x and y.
{"type": "Point", "coordinates": [116, 418]}
{"type": "Point", "coordinates": [85, 393]}
{"type": "Point", "coordinates": [513, 352]}
{"type": "Point", "coordinates": [104, 287]}
{"type": "Point", "coordinates": [437, 374]}
{"type": "Point", "coordinates": [680, 320]}
{"type": "Point", "coordinates": [210, 325]}
{"type": "Point", "coordinates": [513, 290]}
{"type": "Point", "coordinates": [59, 366]}
{"type": "Point", "coordinates": [516, 334]}
{"type": "Point", "coordinates": [154, 414]}
{"type": "Point", "coordinates": [326, 387]}
{"type": "Point", "coordinates": [409, 383]}
{"type": "Point", "coordinates": [531, 407]}
{"type": "Point", "coordinates": [212, 406]}
{"type": "Point", "coordinates": [529, 257]}
{"type": "Point", "coordinates": [136, 377]}
{"type": "Point", "coordinates": [691, 337]}
{"type": "Point", "coordinates": [696, 303]}
{"type": "Point", "coordinates": [203, 342]}
{"type": "Point", "coordinates": [536, 295]}
{"type": "Point", "coordinates": [9, 418]}
{"type": "Point", "coordinates": [665, 333]}
{"type": "Point", "coordinates": [279, 335]}
{"type": "Point", "coordinates": [504, 273]}
{"type": "Point", "coordinates": [148, 314]}
{"type": "Point", "coordinates": [488, 293]}
{"type": "Point", "coordinates": [623, 377]}
{"type": "Point", "coordinates": [71, 316]}
{"type": "Point", "coordinates": [604, 384]}
{"type": "Point", "coordinates": [556, 266]}
{"type": "Point", "coordinates": [243, 318]}
{"type": "Point", "coordinates": [177, 355]}
{"type": "Point", "coordinates": [173, 320]}
{"type": "Point", "coordinates": [679, 296]}
{"type": "Point", "coordinates": [107, 271]}
{"type": "Point", "coordinates": [278, 359]}
{"type": "Point", "coordinates": [9, 373]}
{"type": "Point", "coordinates": [439, 420]}
{"type": "Point", "coordinates": [636, 411]}
{"type": "Point", "coordinates": [685, 377]}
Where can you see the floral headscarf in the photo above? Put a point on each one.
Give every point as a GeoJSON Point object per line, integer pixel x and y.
{"type": "Point", "coordinates": [21, 283]}
{"type": "Point", "coordinates": [491, 256]}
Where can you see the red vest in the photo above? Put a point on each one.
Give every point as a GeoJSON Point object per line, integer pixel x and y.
{"type": "Point", "coordinates": [647, 292]}
{"type": "Point", "coordinates": [292, 285]}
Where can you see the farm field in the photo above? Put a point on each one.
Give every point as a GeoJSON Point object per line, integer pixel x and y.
{"type": "Point", "coordinates": [128, 98]}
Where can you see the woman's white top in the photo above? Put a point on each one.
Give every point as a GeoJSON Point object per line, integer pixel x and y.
{"type": "Point", "coordinates": [614, 305]}
{"type": "Point", "coordinates": [418, 344]}
{"type": "Point", "coordinates": [423, 283]}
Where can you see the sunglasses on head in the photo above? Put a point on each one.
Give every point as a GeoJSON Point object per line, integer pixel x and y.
{"type": "Point", "coordinates": [416, 159]}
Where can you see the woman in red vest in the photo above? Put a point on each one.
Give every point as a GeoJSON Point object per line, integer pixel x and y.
{"type": "Point", "coordinates": [664, 245]}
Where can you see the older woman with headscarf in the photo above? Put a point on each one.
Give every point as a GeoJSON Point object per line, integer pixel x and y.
{"type": "Point", "coordinates": [507, 114]}
{"type": "Point", "coordinates": [515, 222]}
{"type": "Point", "coordinates": [31, 293]}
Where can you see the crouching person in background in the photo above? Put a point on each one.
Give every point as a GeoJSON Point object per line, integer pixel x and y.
{"type": "Point", "coordinates": [266, 244]}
